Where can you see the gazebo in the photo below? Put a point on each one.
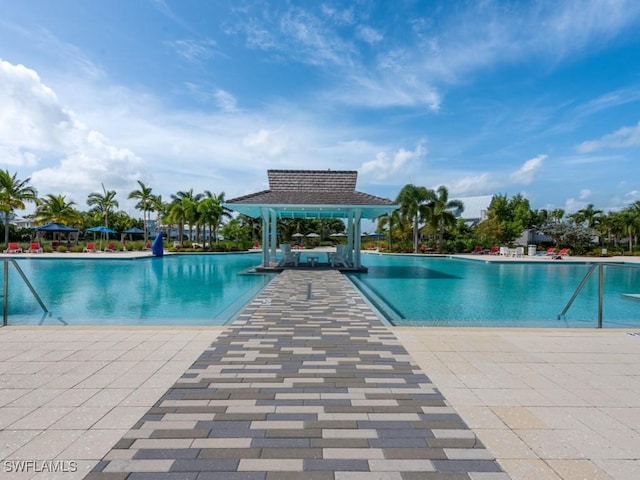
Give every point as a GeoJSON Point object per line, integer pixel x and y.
{"type": "Point", "coordinates": [311, 194]}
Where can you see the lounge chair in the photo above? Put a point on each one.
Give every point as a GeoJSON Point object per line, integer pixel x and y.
{"type": "Point", "coordinates": [13, 247]}
{"type": "Point", "coordinates": [35, 247]}
{"type": "Point", "coordinates": [550, 252]}
{"type": "Point", "coordinates": [90, 248]}
{"type": "Point", "coordinates": [146, 247]}
{"type": "Point", "coordinates": [288, 257]}
{"type": "Point", "coordinates": [561, 254]}
{"type": "Point", "coordinates": [478, 250]}
{"type": "Point", "coordinates": [111, 247]}
{"type": "Point", "coordinates": [339, 257]}
{"type": "Point", "coordinates": [495, 250]}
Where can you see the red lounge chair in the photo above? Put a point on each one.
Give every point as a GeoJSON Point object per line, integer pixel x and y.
{"type": "Point", "coordinates": [477, 250]}
{"type": "Point", "coordinates": [561, 254]}
{"type": "Point", "coordinates": [35, 247]}
{"type": "Point", "coordinates": [550, 252]}
{"type": "Point", "coordinates": [13, 247]}
{"type": "Point", "coordinates": [111, 247]}
{"type": "Point", "coordinates": [90, 248]}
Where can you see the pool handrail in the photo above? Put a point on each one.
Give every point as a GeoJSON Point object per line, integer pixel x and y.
{"type": "Point", "coordinates": [5, 290]}
{"type": "Point", "coordinates": [600, 267]}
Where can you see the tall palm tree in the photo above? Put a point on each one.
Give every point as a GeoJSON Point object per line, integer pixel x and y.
{"type": "Point", "coordinates": [212, 212]}
{"type": "Point", "coordinates": [145, 203]}
{"type": "Point", "coordinates": [588, 215]}
{"type": "Point", "coordinates": [414, 205]}
{"type": "Point", "coordinates": [442, 215]}
{"type": "Point", "coordinates": [103, 203]}
{"type": "Point", "coordinates": [13, 193]}
{"type": "Point", "coordinates": [56, 208]}
{"type": "Point", "coordinates": [392, 220]}
{"type": "Point", "coordinates": [187, 211]}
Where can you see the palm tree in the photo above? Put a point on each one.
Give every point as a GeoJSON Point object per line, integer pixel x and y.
{"type": "Point", "coordinates": [212, 212]}
{"type": "Point", "coordinates": [13, 194]}
{"type": "Point", "coordinates": [588, 215]}
{"type": "Point", "coordinates": [103, 203]}
{"type": "Point", "coordinates": [441, 213]}
{"type": "Point", "coordinates": [414, 205]}
{"type": "Point", "coordinates": [392, 219]}
{"type": "Point", "coordinates": [56, 208]}
{"type": "Point", "coordinates": [146, 204]}
{"type": "Point", "coordinates": [187, 212]}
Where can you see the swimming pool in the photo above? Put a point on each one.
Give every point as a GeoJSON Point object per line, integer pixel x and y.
{"type": "Point", "coordinates": [414, 290]}
{"type": "Point", "coordinates": [448, 291]}
{"type": "Point", "coordinates": [174, 289]}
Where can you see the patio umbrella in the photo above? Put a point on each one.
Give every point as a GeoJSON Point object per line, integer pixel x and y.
{"type": "Point", "coordinates": [131, 232]}
{"type": "Point", "coordinates": [102, 230]}
{"type": "Point", "coordinates": [312, 235]}
{"type": "Point", "coordinates": [55, 228]}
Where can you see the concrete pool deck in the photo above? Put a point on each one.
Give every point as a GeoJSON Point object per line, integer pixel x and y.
{"type": "Point", "coordinates": [547, 404]}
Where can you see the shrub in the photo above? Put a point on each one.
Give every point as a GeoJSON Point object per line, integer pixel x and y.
{"type": "Point", "coordinates": [61, 249]}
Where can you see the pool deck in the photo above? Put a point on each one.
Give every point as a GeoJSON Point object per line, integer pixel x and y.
{"type": "Point", "coordinates": [318, 388]}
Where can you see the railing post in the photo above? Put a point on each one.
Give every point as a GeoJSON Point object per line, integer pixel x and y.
{"type": "Point", "coordinates": [5, 293]}
{"type": "Point", "coordinates": [600, 293]}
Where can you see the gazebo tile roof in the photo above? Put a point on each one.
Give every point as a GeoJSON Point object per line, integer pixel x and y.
{"type": "Point", "coordinates": [299, 192]}
{"type": "Point", "coordinates": [313, 180]}
{"type": "Point", "coordinates": [311, 187]}
{"type": "Point", "coordinates": [310, 197]}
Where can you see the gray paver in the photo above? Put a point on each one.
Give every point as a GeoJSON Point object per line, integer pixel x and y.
{"type": "Point", "coordinates": [293, 379]}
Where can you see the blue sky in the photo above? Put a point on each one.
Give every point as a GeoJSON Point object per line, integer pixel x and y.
{"type": "Point", "coordinates": [539, 98]}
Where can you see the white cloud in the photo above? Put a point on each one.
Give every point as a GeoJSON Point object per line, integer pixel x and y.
{"type": "Point", "coordinates": [478, 184]}
{"type": "Point", "coordinates": [35, 127]}
{"type": "Point", "coordinates": [609, 100]}
{"type": "Point", "coordinates": [585, 193]}
{"type": "Point", "coordinates": [385, 166]}
{"type": "Point", "coordinates": [387, 91]}
{"type": "Point", "coordinates": [30, 116]}
{"type": "Point", "coordinates": [623, 138]}
{"type": "Point", "coordinates": [369, 35]}
{"type": "Point", "coordinates": [225, 101]}
{"type": "Point", "coordinates": [272, 143]}
{"type": "Point", "coordinates": [194, 50]}
{"type": "Point", "coordinates": [528, 171]}
{"type": "Point", "coordinates": [572, 205]}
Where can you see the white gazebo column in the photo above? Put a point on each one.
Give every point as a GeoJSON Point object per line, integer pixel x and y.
{"type": "Point", "coordinates": [358, 238]}
{"type": "Point", "coordinates": [274, 234]}
{"type": "Point", "coordinates": [265, 236]}
{"type": "Point", "coordinates": [350, 235]}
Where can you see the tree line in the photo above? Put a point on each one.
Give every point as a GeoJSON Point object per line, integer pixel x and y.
{"type": "Point", "coordinates": [426, 220]}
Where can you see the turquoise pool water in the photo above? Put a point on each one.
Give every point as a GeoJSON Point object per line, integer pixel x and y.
{"type": "Point", "coordinates": [409, 290]}
{"type": "Point", "coordinates": [175, 289]}
{"type": "Point", "coordinates": [442, 291]}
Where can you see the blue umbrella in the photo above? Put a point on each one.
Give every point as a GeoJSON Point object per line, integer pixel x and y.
{"type": "Point", "coordinates": [55, 227]}
{"type": "Point", "coordinates": [101, 229]}
{"type": "Point", "coordinates": [133, 231]}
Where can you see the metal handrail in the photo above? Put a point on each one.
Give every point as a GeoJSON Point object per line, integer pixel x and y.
{"type": "Point", "coordinates": [575, 294]}
{"type": "Point", "coordinates": [5, 290]}
{"type": "Point", "coordinates": [600, 267]}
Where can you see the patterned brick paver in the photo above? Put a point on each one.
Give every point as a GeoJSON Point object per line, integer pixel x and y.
{"type": "Point", "coordinates": [302, 387]}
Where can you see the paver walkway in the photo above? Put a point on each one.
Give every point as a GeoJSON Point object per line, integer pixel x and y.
{"type": "Point", "coordinates": [306, 384]}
